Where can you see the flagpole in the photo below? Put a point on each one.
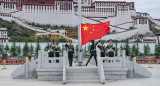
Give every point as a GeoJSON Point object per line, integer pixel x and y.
{"type": "Point", "coordinates": [79, 32]}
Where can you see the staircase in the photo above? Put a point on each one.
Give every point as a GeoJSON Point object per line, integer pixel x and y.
{"type": "Point", "coordinates": [24, 24]}
{"type": "Point", "coordinates": [27, 70]}
{"type": "Point", "coordinates": [82, 75]}
{"type": "Point", "coordinates": [20, 74]}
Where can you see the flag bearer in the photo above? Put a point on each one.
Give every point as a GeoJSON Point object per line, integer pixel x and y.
{"type": "Point", "coordinates": [93, 52]}
{"type": "Point", "coordinates": [70, 48]}
{"type": "Point", "coordinates": [102, 48]}
{"type": "Point", "coordinates": [57, 50]}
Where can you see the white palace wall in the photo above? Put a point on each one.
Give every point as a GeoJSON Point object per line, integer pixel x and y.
{"type": "Point", "coordinates": [120, 36]}
{"type": "Point", "coordinates": [120, 15]}
{"type": "Point", "coordinates": [6, 9]}
{"type": "Point", "coordinates": [6, 18]}
{"type": "Point", "coordinates": [142, 29]}
{"type": "Point", "coordinates": [53, 17]}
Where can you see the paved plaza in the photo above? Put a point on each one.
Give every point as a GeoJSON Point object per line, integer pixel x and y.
{"type": "Point", "coordinates": [6, 80]}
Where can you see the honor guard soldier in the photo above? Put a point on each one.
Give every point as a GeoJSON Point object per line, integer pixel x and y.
{"type": "Point", "coordinates": [51, 50]}
{"type": "Point", "coordinates": [70, 48]}
{"type": "Point", "coordinates": [110, 49]}
{"type": "Point", "coordinates": [102, 48]}
{"type": "Point", "coordinates": [93, 52]}
{"type": "Point", "coordinates": [57, 50]}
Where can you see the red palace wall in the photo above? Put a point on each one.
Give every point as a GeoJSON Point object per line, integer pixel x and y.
{"type": "Point", "coordinates": [36, 2]}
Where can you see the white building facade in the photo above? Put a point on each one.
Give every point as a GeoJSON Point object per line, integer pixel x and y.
{"type": "Point", "coordinates": [122, 14]}
{"type": "Point", "coordinates": [3, 35]}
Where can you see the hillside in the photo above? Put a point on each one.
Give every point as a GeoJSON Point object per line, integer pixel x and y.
{"type": "Point", "coordinates": [153, 28]}
{"type": "Point", "coordinates": [15, 30]}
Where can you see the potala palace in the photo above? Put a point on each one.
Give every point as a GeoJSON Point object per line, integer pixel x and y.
{"type": "Point", "coordinates": [123, 16]}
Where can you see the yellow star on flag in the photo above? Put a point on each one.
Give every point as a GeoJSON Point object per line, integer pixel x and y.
{"type": "Point", "coordinates": [85, 28]}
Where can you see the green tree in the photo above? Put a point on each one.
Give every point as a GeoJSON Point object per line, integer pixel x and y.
{"type": "Point", "coordinates": [1, 50]}
{"type": "Point", "coordinates": [134, 50]}
{"type": "Point", "coordinates": [146, 50]}
{"type": "Point", "coordinates": [76, 48]}
{"type": "Point", "coordinates": [46, 47]}
{"type": "Point", "coordinates": [137, 50]}
{"type": "Point", "coordinates": [121, 49]}
{"type": "Point", "coordinates": [127, 48]}
{"type": "Point", "coordinates": [4, 55]}
{"type": "Point", "coordinates": [62, 40]}
{"type": "Point", "coordinates": [37, 48]}
{"type": "Point", "coordinates": [31, 50]}
{"type": "Point", "coordinates": [157, 54]}
{"type": "Point", "coordinates": [26, 49]}
{"type": "Point", "coordinates": [116, 50]}
{"type": "Point", "coordinates": [19, 50]}
{"type": "Point", "coordinates": [157, 48]}
{"type": "Point", "coordinates": [13, 51]}
{"type": "Point", "coordinates": [6, 49]}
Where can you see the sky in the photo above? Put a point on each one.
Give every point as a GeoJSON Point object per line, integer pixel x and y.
{"type": "Point", "coordinates": [150, 6]}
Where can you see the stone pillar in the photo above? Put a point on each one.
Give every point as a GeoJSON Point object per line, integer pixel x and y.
{"type": "Point", "coordinates": [65, 56]}
{"type": "Point", "coordinates": [123, 53]}
{"type": "Point", "coordinates": [134, 60]}
{"type": "Point", "coordinates": [27, 68]}
{"type": "Point", "coordinates": [98, 53]}
{"type": "Point", "coordinates": [39, 59]}
{"type": "Point", "coordinates": [119, 53]}
{"type": "Point", "coordinates": [32, 59]}
{"type": "Point", "coordinates": [32, 63]}
{"type": "Point", "coordinates": [45, 54]}
{"type": "Point", "coordinates": [124, 59]}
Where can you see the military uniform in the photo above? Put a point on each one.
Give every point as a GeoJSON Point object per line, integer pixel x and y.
{"type": "Point", "coordinates": [70, 53]}
{"type": "Point", "coordinates": [93, 52]}
{"type": "Point", "coordinates": [110, 50]}
{"type": "Point", "coordinates": [103, 50]}
{"type": "Point", "coordinates": [51, 51]}
{"type": "Point", "coordinates": [57, 50]}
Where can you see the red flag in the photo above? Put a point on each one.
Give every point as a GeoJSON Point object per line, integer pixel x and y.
{"type": "Point", "coordinates": [93, 31]}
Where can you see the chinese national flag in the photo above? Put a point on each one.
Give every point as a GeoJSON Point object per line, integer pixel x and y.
{"type": "Point", "coordinates": [93, 31]}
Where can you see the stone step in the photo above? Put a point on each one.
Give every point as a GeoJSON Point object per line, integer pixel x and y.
{"type": "Point", "coordinates": [82, 70]}
{"type": "Point", "coordinates": [83, 81]}
{"type": "Point", "coordinates": [82, 74]}
{"type": "Point", "coordinates": [115, 69]}
{"type": "Point", "coordinates": [83, 78]}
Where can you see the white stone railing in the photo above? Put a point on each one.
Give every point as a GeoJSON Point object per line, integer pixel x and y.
{"type": "Point", "coordinates": [64, 67]}
{"type": "Point", "coordinates": [45, 62]}
{"type": "Point", "coordinates": [101, 69]}
{"type": "Point", "coordinates": [118, 62]}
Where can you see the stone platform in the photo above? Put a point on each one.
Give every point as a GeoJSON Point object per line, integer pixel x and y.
{"type": "Point", "coordinates": [57, 69]}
